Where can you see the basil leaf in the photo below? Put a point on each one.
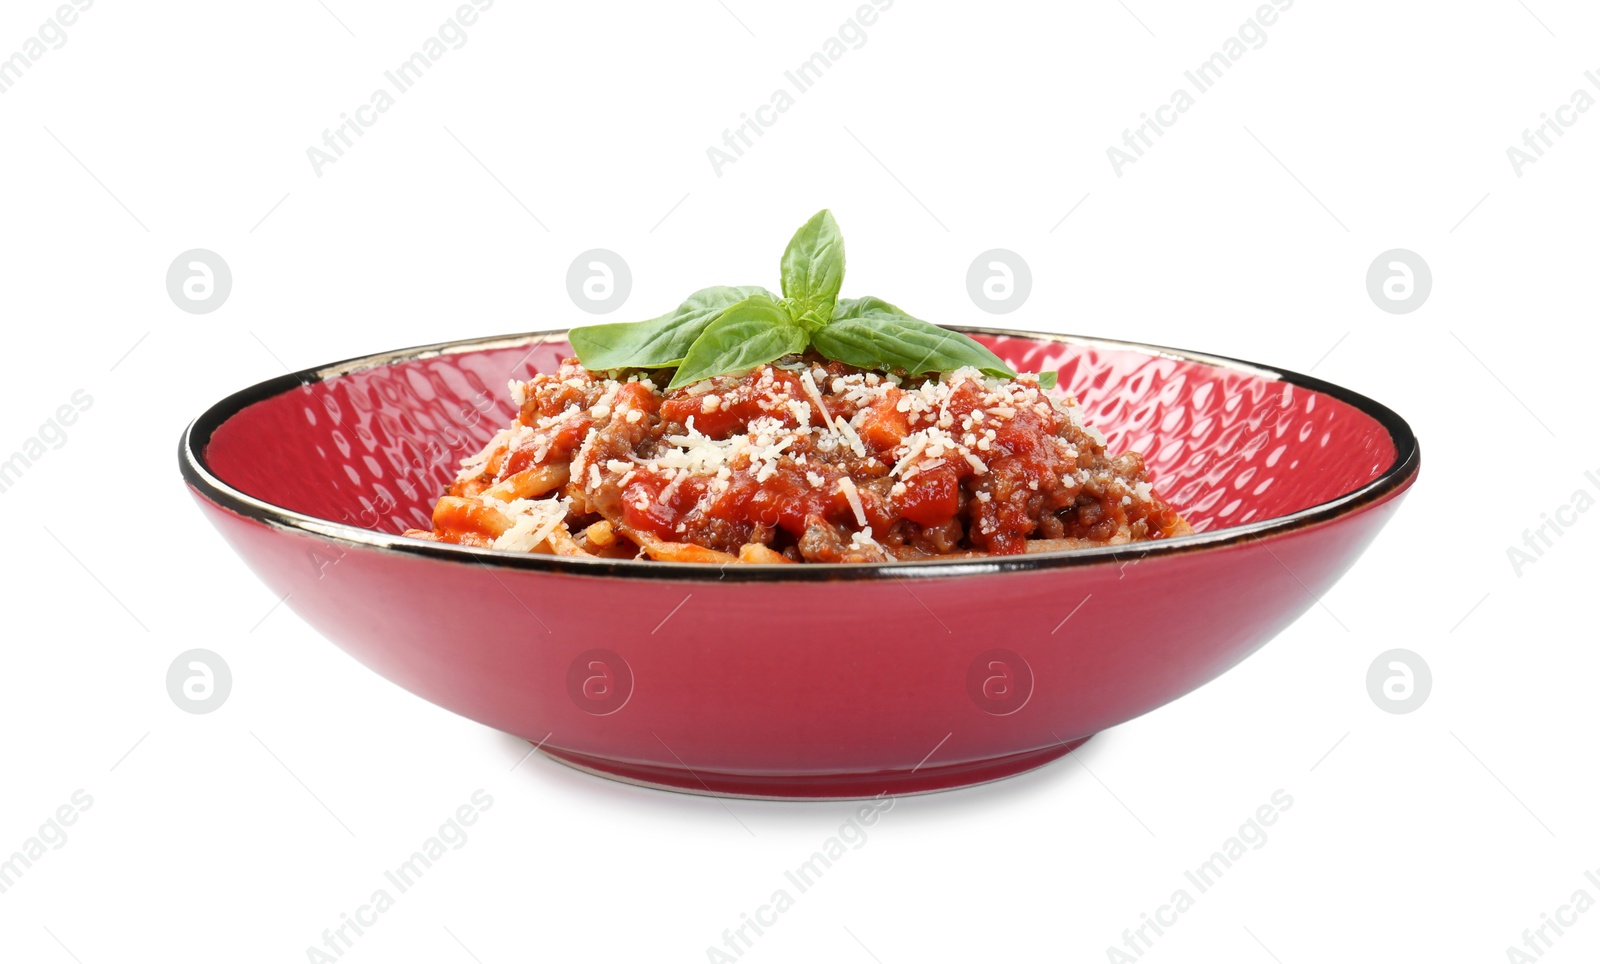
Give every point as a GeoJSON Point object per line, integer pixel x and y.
{"type": "Point", "coordinates": [883, 339]}
{"type": "Point", "coordinates": [855, 307]}
{"type": "Point", "coordinates": [813, 270]}
{"type": "Point", "coordinates": [660, 342]}
{"type": "Point", "coordinates": [753, 332]}
{"type": "Point", "coordinates": [1047, 380]}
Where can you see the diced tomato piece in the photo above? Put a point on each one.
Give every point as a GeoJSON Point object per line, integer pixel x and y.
{"type": "Point", "coordinates": [721, 421]}
{"type": "Point", "coordinates": [636, 395]}
{"type": "Point", "coordinates": [569, 437]}
{"type": "Point", "coordinates": [640, 510]}
{"type": "Point", "coordinates": [932, 498]}
{"type": "Point", "coordinates": [885, 427]}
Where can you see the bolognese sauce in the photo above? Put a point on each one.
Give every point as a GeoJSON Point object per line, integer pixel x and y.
{"type": "Point", "coordinates": [801, 460]}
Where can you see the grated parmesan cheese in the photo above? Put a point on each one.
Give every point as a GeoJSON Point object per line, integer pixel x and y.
{"type": "Point", "coordinates": [864, 540]}
{"type": "Point", "coordinates": [535, 520]}
{"type": "Point", "coordinates": [852, 496]}
{"type": "Point", "coordinates": [810, 385]}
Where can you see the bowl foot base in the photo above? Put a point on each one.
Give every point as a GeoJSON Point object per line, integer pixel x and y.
{"type": "Point", "coordinates": [814, 786]}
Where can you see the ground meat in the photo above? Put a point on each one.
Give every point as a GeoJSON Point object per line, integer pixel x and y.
{"type": "Point", "coordinates": [816, 461]}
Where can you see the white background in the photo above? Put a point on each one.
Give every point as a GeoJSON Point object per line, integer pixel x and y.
{"type": "Point", "coordinates": [1358, 127]}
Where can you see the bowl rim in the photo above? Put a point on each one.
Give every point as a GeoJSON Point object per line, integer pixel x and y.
{"type": "Point", "coordinates": [197, 473]}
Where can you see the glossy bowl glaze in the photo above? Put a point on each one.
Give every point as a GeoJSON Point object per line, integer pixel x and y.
{"type": "Point", "coordinates": [810, 681]}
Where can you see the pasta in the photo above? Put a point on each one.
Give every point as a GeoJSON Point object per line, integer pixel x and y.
{"type": "Point", "coordinates": [801, 460]}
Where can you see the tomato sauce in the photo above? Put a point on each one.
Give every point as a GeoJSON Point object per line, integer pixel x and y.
{"type": "Point", "coordinates": [822, 462]}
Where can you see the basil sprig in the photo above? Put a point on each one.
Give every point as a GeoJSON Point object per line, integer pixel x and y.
{"type": "Point", "coordinates": [753, 332]}
{"type": "Point", "coordinates": [724, 331]}
{"type": "Point", "coordinates": [661, 342]}
{"type": "Point", "coordinates": [872, 333]}
{"type": "Point", "coordinates": [813, 270]}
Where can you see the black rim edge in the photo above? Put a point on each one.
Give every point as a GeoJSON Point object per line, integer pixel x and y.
{"type": "Point", "coordinates": [195, 471]}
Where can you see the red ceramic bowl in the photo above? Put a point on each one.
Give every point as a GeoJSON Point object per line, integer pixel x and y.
{"type": "Point", "coordinates": [810, 681]}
